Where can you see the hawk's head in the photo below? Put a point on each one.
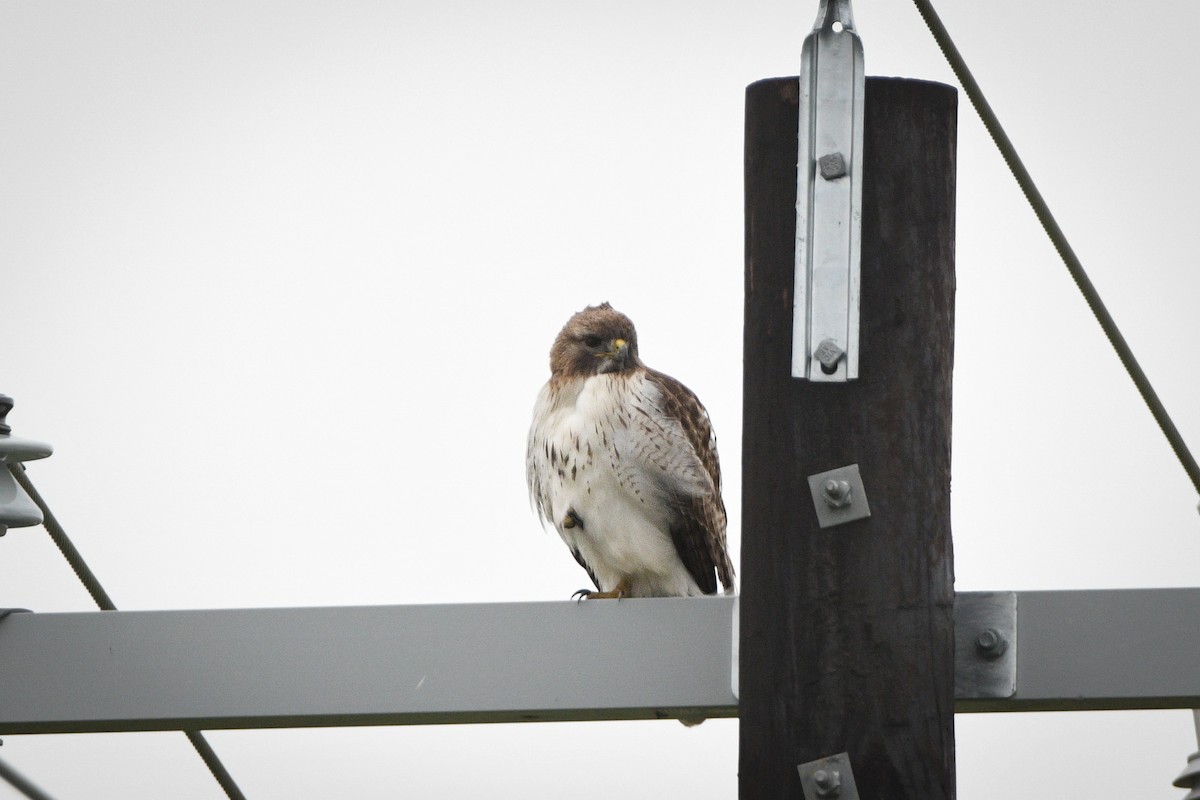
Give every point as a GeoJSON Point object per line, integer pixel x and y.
{"type": "Point", "coordinates": [598, 339]}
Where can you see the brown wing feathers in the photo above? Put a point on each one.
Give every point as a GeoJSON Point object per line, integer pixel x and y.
{"type": "Point", "coordinates": [699, 530]}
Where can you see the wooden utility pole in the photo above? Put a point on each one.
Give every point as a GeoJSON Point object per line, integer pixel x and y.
{"type": "Point", "coordinates": [847, 632]}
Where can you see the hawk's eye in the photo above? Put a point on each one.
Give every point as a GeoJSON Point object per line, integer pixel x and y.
{"type": "Point", "coordinates": [591, 341]}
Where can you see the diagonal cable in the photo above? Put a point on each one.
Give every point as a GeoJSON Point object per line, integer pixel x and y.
{"type": "Point", "coordinates": [59, 536]}
{"type": "Point", "coordinates": [214, 765]}
{"type": "Point", "coordinates": [92, 583]}
{"type": "Point", "coordinates": [1042, 210]}
{"type": "Point", "coordinates": [21, 783]}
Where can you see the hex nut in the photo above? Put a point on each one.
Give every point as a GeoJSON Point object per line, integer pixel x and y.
{"type": "Point", "coordinates": [836, 493]}
{"type": "Point", "coordinates": [991, 644]}
{"type": "Point", "coordinates": [832, 166]}
{"type": "Point", "coordinates": [828, 782]}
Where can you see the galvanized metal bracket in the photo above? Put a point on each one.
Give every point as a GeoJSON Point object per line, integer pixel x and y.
{"type": "Point", "coordinates": [985, 645]}
{"type": "Point", "coordinates": [838, 496]}
{"type": "Point", "coordinates": [829, 199]}
{"type": "Point", "coordinates": [827, 778]}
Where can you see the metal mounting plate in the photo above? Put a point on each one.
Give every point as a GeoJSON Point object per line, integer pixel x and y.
{"type": "Point", "coordinates": [827, 778]}
{"type": "Point", "coordinates": [985, 645]}
{"type": "Point", "coordinates": [838, 496]}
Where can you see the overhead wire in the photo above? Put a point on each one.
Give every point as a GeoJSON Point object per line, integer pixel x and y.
{"type": "Point", "coordinates": [1050, 225]}
{"type": "Point", "coordinates": [21, 783]}
{"type": "Point", "coordinates": [59, 535]}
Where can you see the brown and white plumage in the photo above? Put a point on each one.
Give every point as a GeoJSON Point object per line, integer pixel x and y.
{"type": "Point", "coordinates": [622, 460]}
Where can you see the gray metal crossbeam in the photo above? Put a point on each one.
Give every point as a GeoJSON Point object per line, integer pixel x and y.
{"type": "Point", "coordinates": [1103, 650]}
{"type": "Point", "coordinates": [508, 662]}
{"type": "Point", "coordinates": [381, 665]}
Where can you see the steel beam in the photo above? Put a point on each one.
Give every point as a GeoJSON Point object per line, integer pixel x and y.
{"type": "Point", "coordinates": [1103, 650]}
{"type": "Point", "coordinates": [507, 662]}
{"type": "Point", "coordinates": [383, 665]}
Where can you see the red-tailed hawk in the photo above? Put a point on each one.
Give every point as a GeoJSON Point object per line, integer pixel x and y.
{"type": "Point", "coordinates": [622, 460]}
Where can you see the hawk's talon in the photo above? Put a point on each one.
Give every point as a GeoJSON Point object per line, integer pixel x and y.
{"type": "Point", "coordinates": [616, 593]}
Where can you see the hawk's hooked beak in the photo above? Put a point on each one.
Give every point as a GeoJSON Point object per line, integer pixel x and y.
{"type": "Point", "coordinates": [615, 359]}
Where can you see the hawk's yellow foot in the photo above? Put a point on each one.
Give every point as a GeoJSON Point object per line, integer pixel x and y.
{"type": "Point", "coordinates": [621, 590]}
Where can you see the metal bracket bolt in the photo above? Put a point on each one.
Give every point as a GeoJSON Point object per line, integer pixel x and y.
{"type": "Point", "coordinates": [828, 777]}
{"type": "Point", "coordinates": [828, 782]}
{"type": "Point", "coordinates": [991, 644]}
{"type": "Point", "coordinates": [832, 166]}
{"type": "Point", "coordinates": [985, 645]}
{"type": "Point", "coordinates": [838, 496]}
{"type": "Point", "coordinates": [829, 354]}
{"type": "Point", "coordinates": [836, 493]}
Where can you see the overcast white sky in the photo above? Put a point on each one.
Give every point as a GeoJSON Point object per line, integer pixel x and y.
{"type": "Point", "coordinates": [279, 281]}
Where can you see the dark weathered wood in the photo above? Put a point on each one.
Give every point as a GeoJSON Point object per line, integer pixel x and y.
{"type": "Point", "coordinates": [847, 634]}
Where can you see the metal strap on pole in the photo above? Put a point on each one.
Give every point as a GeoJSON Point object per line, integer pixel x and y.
{"type": "Point", "coordinates": [829, 180]}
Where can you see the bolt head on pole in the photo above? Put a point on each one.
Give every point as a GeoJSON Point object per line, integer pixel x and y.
{"type": "Point", "coordinates": [832, 166]}
{"type": "Point", "coordinates": [829, 777]}
{"type": "Point", "coordinates": [828, 782]}
{"type": "Point", "coordinates": [991, 644]}
{"type": "Point", "coordinates": [838, 496]}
